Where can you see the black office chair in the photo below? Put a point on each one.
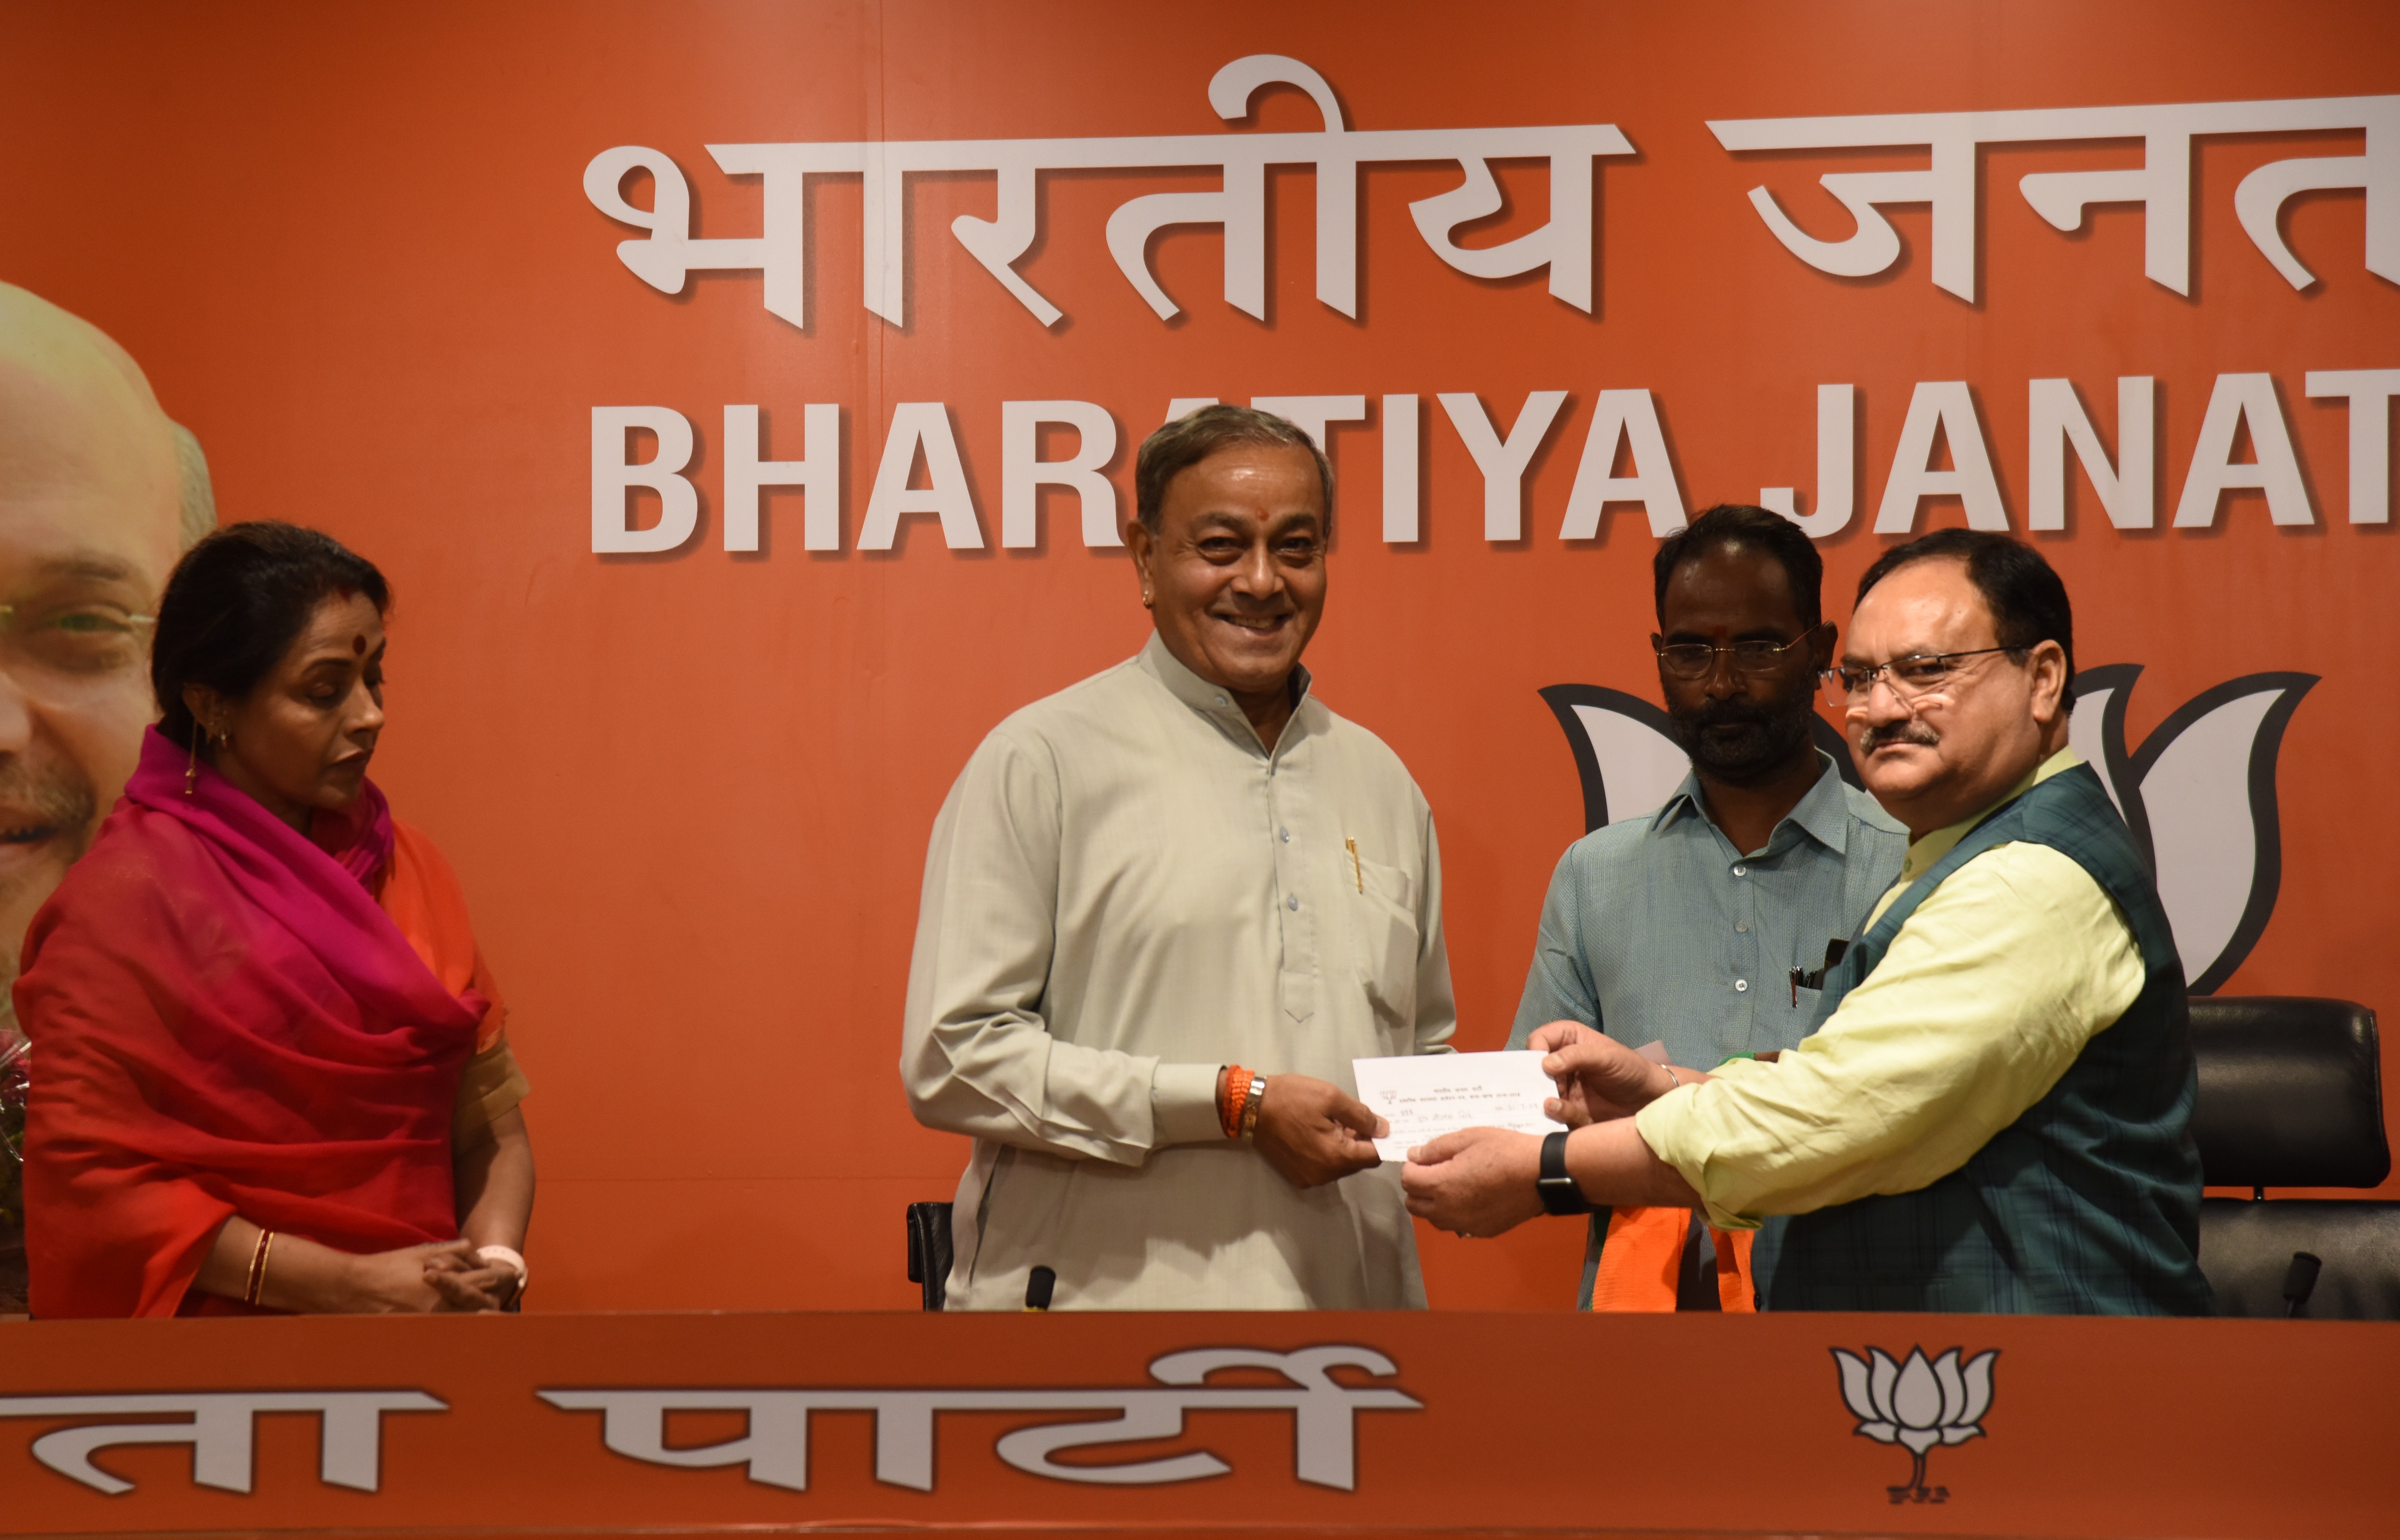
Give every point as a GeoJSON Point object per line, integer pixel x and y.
{"type": "Point", "coordinates": [2291, 1096]}
{"type": "Point", "coordinates": [929, 1249]}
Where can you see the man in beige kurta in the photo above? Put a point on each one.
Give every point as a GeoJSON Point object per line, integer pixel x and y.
{"type": "Point", "coordinates": [1130, 888]}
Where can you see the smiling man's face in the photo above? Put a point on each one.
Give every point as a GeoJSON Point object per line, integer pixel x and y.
{"type": "Point", "coordinates": [1236, 570]}
{"type": "Point", "coordinates": [90, 518]}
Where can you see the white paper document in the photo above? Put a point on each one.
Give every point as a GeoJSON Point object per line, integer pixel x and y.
{"type": "Point", "coordinates": [1436, 1094]}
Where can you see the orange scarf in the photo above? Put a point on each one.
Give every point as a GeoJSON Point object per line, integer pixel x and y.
{"type": "Point", "coordinates": [1645, 1250]}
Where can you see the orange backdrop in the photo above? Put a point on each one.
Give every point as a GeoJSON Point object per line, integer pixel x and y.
{"type": "Point", "coordinates": [688, 793]}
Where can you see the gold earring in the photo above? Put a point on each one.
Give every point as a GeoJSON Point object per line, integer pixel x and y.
{"type": "Point", "coordinates": [192, 765]}
{"type": "Point", "coordinates": [1147, 602]}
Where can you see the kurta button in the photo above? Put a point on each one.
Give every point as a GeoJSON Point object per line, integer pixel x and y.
{"type": "Point", "coordinates": [1741, 986]}
{"type": "Point", "coordinates": [1741, 927]}
{"type": "Point", "coordinates": [1293, 903]}
{"type": "Point", "coordinates": [1741, 871]}
{"type": "Point", "coordinates": [1287, 835]}
{"type": "Point", "coordinates": [1220, 700]}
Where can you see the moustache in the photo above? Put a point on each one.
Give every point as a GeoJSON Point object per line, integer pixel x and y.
{"type": "Point", "coordinates": [1906, 731]}
{"type": "Point", "coordinates": [1733, 711]}
{"type": "Point", "coordinates": [49, 797]}
{"type": "Point", "coordinates": [1737, 739]}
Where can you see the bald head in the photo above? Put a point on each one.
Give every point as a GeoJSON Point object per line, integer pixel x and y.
{"type": "Point", "coordinates": [99, 494]}
{"type": "Point", "coordinates": [82, 438]}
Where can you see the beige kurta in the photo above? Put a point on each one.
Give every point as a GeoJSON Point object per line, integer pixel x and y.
{"type": "Point", "coordinates": [1123, 892]}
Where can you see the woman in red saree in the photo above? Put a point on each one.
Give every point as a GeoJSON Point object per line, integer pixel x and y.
{"type": "Point", "coordinates": [269, 1070]}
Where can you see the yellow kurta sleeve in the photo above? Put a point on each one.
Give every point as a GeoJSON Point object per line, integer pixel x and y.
{"type": "Point", "coordinates": [1983, 999]}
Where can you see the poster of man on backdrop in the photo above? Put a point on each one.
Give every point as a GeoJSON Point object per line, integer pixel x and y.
{"type": "Point", "coordinates": [98, 493]}
{"type": "Point", "coordinates": [742, 400]}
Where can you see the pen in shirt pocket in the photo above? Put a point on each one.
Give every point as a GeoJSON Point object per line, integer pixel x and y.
{"type": "Point", "coordinates": [1358, 873]}
{"type": "Point", "coordinates": [1805, 978]}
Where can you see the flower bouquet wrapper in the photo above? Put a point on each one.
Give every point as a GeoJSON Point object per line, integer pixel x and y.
{"type": "Point", "coordinates": [16, 1066]}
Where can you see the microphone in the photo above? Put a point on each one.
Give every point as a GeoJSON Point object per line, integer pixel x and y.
{"type": "Point", "coordinates": [1040, 1286]}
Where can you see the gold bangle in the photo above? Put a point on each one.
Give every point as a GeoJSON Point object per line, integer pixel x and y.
{"type": "Point", "coordinates": [258, 1268]}
{"type": "Point", "coordinates": [1258, 1098]}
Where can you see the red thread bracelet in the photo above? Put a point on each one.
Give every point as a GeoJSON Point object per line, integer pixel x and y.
{"type": "Point", "coordinates": [1231, 1099]}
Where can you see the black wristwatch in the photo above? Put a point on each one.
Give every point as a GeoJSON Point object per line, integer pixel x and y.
{"type": "Point", "coordinates": [1560, 1193]}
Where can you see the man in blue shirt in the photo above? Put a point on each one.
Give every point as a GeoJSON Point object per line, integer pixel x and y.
{"type": "Point", "coordinates": [1685, 926]}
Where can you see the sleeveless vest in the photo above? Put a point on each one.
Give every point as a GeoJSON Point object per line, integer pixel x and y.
{"type": "Point", "coordinates": [2089, 1203]}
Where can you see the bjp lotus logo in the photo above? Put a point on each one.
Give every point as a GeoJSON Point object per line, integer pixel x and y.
{"type": "Point", "coordinates": [2199, 794]}
{"type": "Point", "coordinates": [1918, 1405]}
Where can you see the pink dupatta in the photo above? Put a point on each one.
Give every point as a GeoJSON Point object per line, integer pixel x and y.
{"type": "Point", "coordinates": [225, 1020]}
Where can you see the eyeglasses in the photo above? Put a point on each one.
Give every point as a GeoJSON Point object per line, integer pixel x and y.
{"type": "Point", "coordinates": [1695, 659]}
{"type": "Point", "coordinates": [1910, 679]}
{"type": "Point", "coordinates": [73, 641]}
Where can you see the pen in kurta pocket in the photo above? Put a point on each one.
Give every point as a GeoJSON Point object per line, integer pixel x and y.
{"type": "Point", "coordinates": [1357, 875]}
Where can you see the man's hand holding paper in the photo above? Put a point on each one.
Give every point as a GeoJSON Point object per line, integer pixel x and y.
{"type": "Point", "coordinates": [1313, 1134]}
{"type": "Point", "coordinates": [1600, 1078]}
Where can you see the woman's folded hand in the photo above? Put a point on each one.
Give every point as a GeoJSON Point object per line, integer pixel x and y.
{"type": "Point", "coordinates": [417, 1280]}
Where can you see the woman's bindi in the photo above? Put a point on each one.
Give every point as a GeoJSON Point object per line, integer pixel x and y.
{"type": "Point", "coordinates": [358, 646]}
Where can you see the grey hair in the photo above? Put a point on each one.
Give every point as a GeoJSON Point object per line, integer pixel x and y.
{"type": "Point", "coordinates": [200, 498]}
{"type": "Point", "coordinates": [1198, 434]}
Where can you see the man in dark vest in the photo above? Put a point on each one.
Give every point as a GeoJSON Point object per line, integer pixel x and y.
{"type": "Point", "coordinates": [1992, 1113]}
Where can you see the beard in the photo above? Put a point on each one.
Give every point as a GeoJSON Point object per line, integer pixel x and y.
{"type": "Point", "coordinates": [1741, 743]}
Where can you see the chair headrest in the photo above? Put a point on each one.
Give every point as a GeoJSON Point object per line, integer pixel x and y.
{"type": "Point", "coordinates": [2291, 1093]}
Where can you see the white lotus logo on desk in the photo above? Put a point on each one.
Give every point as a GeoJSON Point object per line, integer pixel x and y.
{"type": "Point", "coordinates": [1918, 1405]}
{"type": "Point", "coordinates": [2199, 794]}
